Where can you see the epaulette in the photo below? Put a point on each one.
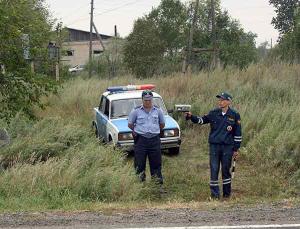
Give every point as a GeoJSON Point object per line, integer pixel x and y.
{"type": "Point", "coordinates": [137, 107]}
{"type": "Point", "coordinates": [216, 110]}
{"type": "Point", "coordinates": [233, 110]}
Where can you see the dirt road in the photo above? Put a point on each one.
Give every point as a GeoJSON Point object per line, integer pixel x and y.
{"type": "Point", "coordinates": [154, 218]}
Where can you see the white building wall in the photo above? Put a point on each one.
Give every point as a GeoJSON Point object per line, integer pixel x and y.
{"type": "Point", "coordinates": [80, 51]}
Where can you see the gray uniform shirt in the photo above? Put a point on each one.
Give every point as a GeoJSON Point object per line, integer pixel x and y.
{"type": "Point", "coordinates": [146, 123]}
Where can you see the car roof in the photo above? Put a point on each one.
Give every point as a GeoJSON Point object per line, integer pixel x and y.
{"type": "Point", "coordinates": [126, 95]}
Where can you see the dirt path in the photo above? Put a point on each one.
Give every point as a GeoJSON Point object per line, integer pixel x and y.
{"type": "Point", "coordinates": [153, 218]}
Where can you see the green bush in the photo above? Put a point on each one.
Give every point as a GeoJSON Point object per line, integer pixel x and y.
{"type": "Point", "coordinates": [32, 142]}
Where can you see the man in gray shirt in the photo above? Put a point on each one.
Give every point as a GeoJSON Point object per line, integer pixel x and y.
{"type": "Point", "coordinates": [147, 121]}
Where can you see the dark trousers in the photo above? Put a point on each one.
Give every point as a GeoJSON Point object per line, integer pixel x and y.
{"type": "Point", "coordinates": [148, 147]}
{"type": "Point", "coordinates": [220, 154]}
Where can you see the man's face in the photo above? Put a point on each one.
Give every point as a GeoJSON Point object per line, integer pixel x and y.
{"type": "Point", "coordinates": [222, 103]}
{"type": "Point", "coordinates": [147, 103]}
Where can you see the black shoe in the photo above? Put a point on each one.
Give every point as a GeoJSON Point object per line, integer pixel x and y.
{"type": "Point", "coordinates": [213, 198]}
{"type": "Point", "coordinates": [226, 196]}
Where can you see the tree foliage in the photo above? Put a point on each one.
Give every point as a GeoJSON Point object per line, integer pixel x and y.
{"type": "Point", "coordinates": [287, 22]}
{"type": "Point", "coordinates": [237, 47]}
{"type": "Point", "coordinates": [156, 43]}
{"type": "Point", "coordinates": [284, 21]}
{"type": "Point", "coordinates": [111, 61]}
{"type": "Point", "coordinates": [170, 20]}
{"type": "Point", "coordinates": [144, 48]}
{"type": "Point", "coordinates": [20, 88]}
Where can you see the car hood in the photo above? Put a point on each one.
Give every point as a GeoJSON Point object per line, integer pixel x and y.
{"type": "Point", "coordinates": [122, 124]}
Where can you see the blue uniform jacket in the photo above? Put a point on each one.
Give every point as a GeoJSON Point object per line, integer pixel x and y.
{"type": "Point", "coordinates": [224, 129]}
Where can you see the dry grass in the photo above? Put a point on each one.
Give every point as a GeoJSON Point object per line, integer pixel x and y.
{"type": "Point", "coordinates": [86, 175]}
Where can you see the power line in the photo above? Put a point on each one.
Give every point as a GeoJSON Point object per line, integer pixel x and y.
{"type": "Point", "coordinates": [119, 7]}
{"type": "Point", "coordinates": [79, 19]}
{"type": "Point", "coordinates": [106, 11]}
{"type": "Point", "coordinates": [75, 11]}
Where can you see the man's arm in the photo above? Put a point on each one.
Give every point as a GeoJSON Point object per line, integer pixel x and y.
{"type": "Point", "coordinates": [162, 120]}
{"type": "Point", "coordinates": [197, 119]}
{"type": "Point", "coordinates": [131, 126]}
{"type": "Point", "coordinates": [132, 119]}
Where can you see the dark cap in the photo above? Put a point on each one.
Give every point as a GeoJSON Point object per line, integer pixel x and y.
{"type": "Point", "coordinates": [147, 95]}
{"type": "Point", "coordinates": [224, 96]}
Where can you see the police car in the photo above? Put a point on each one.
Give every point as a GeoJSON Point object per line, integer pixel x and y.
{"type": "Point", "coordinates": [111, 117]}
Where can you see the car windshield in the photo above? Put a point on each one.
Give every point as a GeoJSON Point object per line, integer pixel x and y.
{"type": "Point", "coordinates": [121, 108]}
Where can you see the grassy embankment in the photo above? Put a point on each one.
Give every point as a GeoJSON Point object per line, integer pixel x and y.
{"type": "Point", "coordinates": [55, 163]}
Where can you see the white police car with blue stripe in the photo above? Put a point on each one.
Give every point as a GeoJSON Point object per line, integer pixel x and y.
{"type": "Point", "coordinates": [111, 118]}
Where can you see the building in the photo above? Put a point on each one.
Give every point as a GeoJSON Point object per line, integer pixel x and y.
{"type": "Point", "coordinates": [76, 46]}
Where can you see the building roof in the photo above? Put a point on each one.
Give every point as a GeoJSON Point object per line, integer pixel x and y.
{"type": "Point", "coordinates": [81, 35]}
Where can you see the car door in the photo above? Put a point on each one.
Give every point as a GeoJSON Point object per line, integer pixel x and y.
{"type": "Point", "coordinates": [102, 117]}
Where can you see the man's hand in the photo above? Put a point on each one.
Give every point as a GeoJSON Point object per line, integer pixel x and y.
{"type": "Point", "coordinates": [188, 115]}
{"type": "Point", "coordinates": [235, 154]}
{"type": "Point", "coordinates": [162, 126]}
{"type": "Point", "coordinates": [131, 126]}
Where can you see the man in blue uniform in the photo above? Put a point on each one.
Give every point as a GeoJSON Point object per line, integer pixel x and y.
{"type": "Point", "coordinates": [224, 142]}
{"type": "Point", "coordinates": [147, 121]}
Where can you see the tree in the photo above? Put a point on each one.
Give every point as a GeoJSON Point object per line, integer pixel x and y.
{"type": "Point", "coordinates": [170, 20]}
{"type": "Point", "coordinates": [287, 22]}
{"type": "Point", "coordinates": [237, 47]}
{"type": "Point", "coordinates": [263, 50]}
{"type": "Point", "coordinates": [157, 39]}
{"type": "Point", "coordinates": [25, 29]}
{"type": "Point", "coordinates": [284, 22]}
{"type": "Point", "coordinates": [156, 43]}
{"type": "Point", "coordinates": [144, 49]}
{"type": "Point", "coordinates": [111, 61]}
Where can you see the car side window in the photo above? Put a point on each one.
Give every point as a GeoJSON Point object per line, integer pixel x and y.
{"type": "Point", "coordinates": [100, 104]}
{"type": "Point", "coordinates": [106, 108]}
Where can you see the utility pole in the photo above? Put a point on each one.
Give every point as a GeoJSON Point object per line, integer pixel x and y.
{"type": "Point", "coordinates": [57, 49]}
{"type": "Point", "coordinates": [116, 31]}
{"type": "Point", "coordinates": [271, 43]}
{"type": "Point", "coordinates": [99, 37]}
{"type": "Point", "coordinates": [91, 38]}
{"type": "Point", "coordinates": [214, 34]}
{"type": "Point", "coordinates": [115, 53]}
{"type": "Point", "coordinates": [187, 62]}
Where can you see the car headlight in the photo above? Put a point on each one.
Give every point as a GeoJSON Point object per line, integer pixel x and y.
{"type": "Point", "coordinates": [125, 136]}
{"type": "Point", "coordinates": [171, 133]}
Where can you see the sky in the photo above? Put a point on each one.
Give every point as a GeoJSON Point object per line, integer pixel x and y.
{"type": "Point", "coordinates": [254, 15]}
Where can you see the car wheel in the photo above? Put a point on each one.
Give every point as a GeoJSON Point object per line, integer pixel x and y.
{"type": "Point", "coordinates": [174, 151]}
{"type": "Point", "coordinates": [95, 129]}
{"type": "Point", "coordinates": [110, 141]}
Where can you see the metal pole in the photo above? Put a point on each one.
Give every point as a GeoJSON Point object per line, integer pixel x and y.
{"type": "Point", "coordinates": [214, 37]}
{"type": "Point", "coordinates": [116, 31]}
{"type": "Point", "coordinates": [57, 71]}
{"type": "Point", "coordinates": [99, 37]}
{"type": "Point", "coordinates": [190, 46]}
{"type": "Point", "coordinates": [91, 39]}
{"type": "Point", "coordinates": [271, 43]}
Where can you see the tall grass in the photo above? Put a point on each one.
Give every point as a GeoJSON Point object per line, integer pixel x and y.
{"type": "Point", "coordinates": [58, 161]}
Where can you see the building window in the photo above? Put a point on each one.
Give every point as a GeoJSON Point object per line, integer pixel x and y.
{"type": "Point", "coordinates": [70, 52]}
{"type": "Point", "coordinates": [97, 52]}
